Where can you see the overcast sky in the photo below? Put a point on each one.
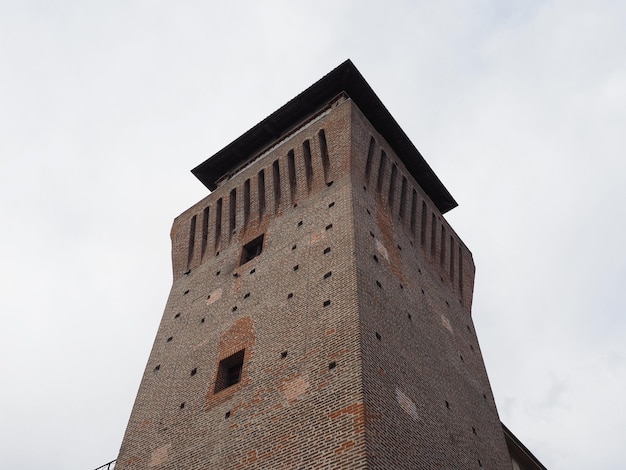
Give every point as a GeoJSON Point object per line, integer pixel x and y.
{"type": "Point", "coordinates": [105, 106]}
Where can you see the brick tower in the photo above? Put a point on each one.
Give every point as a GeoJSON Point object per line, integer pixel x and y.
{"type": "Point", "coordinates": [320, 310]}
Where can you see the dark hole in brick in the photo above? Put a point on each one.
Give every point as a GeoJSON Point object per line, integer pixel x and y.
{"type": "Point", "coordinates": [447, 404]}
{"type": "Point", "coordinates": [378, 337]}
{"type": "Point", "coordinates": [234, 309]}
{"type": "Point", "coordinates": [423, 292]}
{"type": "Point", "coordinates": [186, 292]}
{"type": "Point", "coordinates": [364, 188]}
{"type": "Point", "coordinates": [290, 295]}
{"type": "Point", "coordinates": [375, 258]}
{"type": "Point", "coordinates": [329, 184]}
{"type": "Point", "coordinates": [468, 328]}
{"type": "Point", "coordinates": [473, 429]}
{"type": "Point", "coordinates": [229, 371]}
{"type": "Point", "coordinates": [441, 277]}
{"type": "Point", "coordinates": [251, 250]}
{"type": "Point", "coordinates": [461, 356]}
{"type": "Point", "coordinates": [329, 226]}
{"type": "Point", "coordinates": [177, 315]}
{"type": "Point", "coordinates": [447, 303]}
{"type": "Point", "coordinates": [283, 354]}
{"type": "Point", "coordinates": [300, 224]}
{"type": "Point", "coordinates": [401, 286]}
{"type": "Point", "coordinates": [419, 270]}
{"type": "Point", "coordinates": [246, 295]}
{"type": "Point", "coordinates": [408, 315]}
{"type": "Point", "coordinates": [399, 248]}
{"type": "Point", "coordinates": [252, 271]}
{"type": "Point", "coordinates": [170, 339]}
{"type": "Point", "coordinates": [296, 267]}
{"type": "Point", "coordinates": [372, 234]}
{"type": "Point", "coordinates": [218, 273]}
{"type": "Point", "coordinates": [217, 253]}
{"type": "Point", "coordinates": [368, 212]}
{"type": "Point", "coordinates": [235, 274]}
{"type": "Point", "coordinates": [472, 347]}
{"type": "Point", "coordinates": [480, 464]}
{"type": "Point", "coordinates": [187, 272]}
{"type": "Point", "coordinates": [293, 247]}
{"type": "Point", "coordinates": [227, 415]}
{"type": "Point", "coordinates": [331, 204]}
{"type": "Point", "coordinates": [157, 367]}
{"type": "Point", "coordinates": [194, 370]}
{"type": "Point", "coordinates": [485, 396]}
{"type": "Point", "coordinates": [295, 204]}
{"type": "Point", "coordinates": [328, 274]}
{"type": "Point", "coordinates": [326, 250]}
{"type": "Point", "coordinates": [411, 242]}
{"type": "Point", "coordinates": [182, 405]}
{"type": "Point", "coordinates": [332, 365]}
{"type": "Point", "coordinates": [326, 303]}
{"type": "Point", "coordinates": [202, 320]}
{"type": "Point", "coordinates": [379, 284]}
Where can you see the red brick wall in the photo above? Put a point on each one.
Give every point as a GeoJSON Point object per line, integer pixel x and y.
{"type": "Point", "coordinates": [362, 385]}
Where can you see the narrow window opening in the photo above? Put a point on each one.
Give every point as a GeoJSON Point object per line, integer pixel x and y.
{"type": "Point", "coordinates": [218, 223]}
{"type": "Point", "coordinates": [283, 354]}
{"type": "Point", "coordinates": [447, 404]}
{"type": "Point", "coordinates": [392, 186]}
{"type": "Point", "coordinates": [202, 320]}
{"type": "Point", "coordinates": [227, 415]}
{"type": "Point", "coordinates": [378, 337]}
{"type": "Point", "coordinates": [296, 267]}
{"type": "Point", "coordinates": [170, 339]}
{"type": "Point", "coordinates": [408, 315]}
{"type": "Point", "coordinates": [229, 371]}
{"type": "Point", "coordinates": [293, 247]}
{"type": "Point", "coordinates": [423, 226]}
{"type": "Point", "coordinates": [205, 231]}
{"type": "Point", "coordinates": [331, 204]}
{"type": "Point", "coordinates": [324, 154]}
{"type": "Point", "coordinates": [328, 274]}
{"type": "Point", "coordinates": [402, 209]}
{"type": "Point", "coordinates": [413, 211]}
{"type": "Point", "coordinates": [246, 295]}
{"type": "Point", "coordinates": [329, 226]}
{"type": "Point", "coordinates": [158, 367]}
{"type": "Point", "coordinates": [253, 270]}
{"type": "Point", "coordinates": [300, 224]}
{"type": "Point", "coordinates": [251, 250]}
{"type": "Point", "coordinates": [218, 273]}
{"type": "Point", "coordinates": [332, 365]}
{"type": "Point", "coordinates": [246, 202]}
{"type": "Point", "coordinates": [375, 258]}
{"type": "Point", "coordinates": [326, 250]}
{"type": "Point", "coordinates": [326, 303]}
{"type": "Point", "coordinates": [308, 166]}
{"type": "Point", "coordinates": [433, 235]}
{"type": "Point", "coordinates": [177, 315]}
{"type": "Point", "coordinates": [379, 284]}
{"type": "Point", "coordinates": [442, 246]}
{"type": "Point", "coordinates": [194, 371]}
{"type": "Point", "coordinates": [291, 167]}
{"type": "Point", "coordinates": [370, 157]}
{"type": "Point", "coordinates": [232, 219]}
{"type": "Point", "coordinates": [473, 429]}
{"type": "Point", "coordinates": [192, 238]}
{"type": "Point", "coordinates": [290, 295]}
{"type": "Point", "coordinates": [276, 180]}
{"type": "Point", "coordinates": [381, 170]}
{"type": "Point", "coordinates": [261, 190]}
{"type": "Point", "coordinates": [186, 292]}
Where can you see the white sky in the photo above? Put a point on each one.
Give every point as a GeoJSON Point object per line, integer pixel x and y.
{"type": "Point", "coordinates": [105, 106]}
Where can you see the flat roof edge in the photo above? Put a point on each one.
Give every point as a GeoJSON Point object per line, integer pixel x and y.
{"type": "Point", "coordinates": [344, 78]}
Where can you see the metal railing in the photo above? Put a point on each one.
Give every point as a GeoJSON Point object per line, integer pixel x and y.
{"type": "Point", "coordinates": [107, 466]}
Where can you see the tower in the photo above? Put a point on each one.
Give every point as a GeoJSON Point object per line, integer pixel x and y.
{"type": "Point", "coordinates": [319, 315]}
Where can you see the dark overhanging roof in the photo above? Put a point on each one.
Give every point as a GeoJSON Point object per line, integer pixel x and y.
{"type": "Point", "coordinates": [347, 79]}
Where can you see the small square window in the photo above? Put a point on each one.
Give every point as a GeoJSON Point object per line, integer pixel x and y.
{"type": "Point", "coordinates": [229, 371]}
{"type": "Point", "coordinates": [251, 250]}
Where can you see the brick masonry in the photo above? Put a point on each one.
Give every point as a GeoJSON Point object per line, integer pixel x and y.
{"type": "Point", "coordinates": [359, 348]}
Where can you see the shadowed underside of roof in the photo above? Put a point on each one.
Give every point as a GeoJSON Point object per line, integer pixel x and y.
{"type": "Point", "coordinates": [343, 79]}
